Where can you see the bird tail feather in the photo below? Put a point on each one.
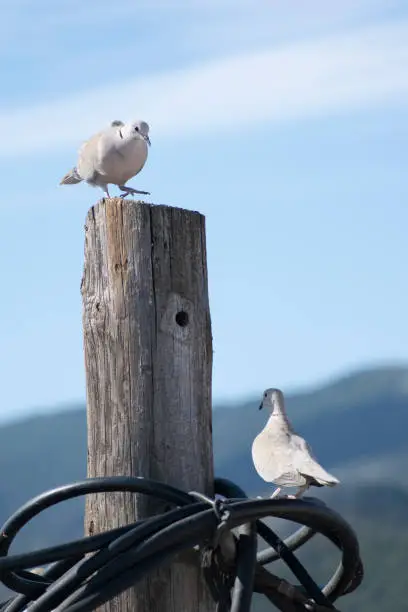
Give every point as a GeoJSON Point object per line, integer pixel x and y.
{"type": "Point", "coordinates": [71, 178]}
{"type": "Point", "coordinates": [327, 479]}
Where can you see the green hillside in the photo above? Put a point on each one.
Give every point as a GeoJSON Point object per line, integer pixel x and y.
{"type": "Point", "coordinates": [357, 426]}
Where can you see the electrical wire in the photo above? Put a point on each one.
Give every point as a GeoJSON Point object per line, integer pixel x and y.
{"type": "Point", "coordinates": [220, 533]}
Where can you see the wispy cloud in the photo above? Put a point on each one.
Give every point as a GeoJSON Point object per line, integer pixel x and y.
{"type": "Point", "coordinates": [208, 22]}
{"type": "Point", "coordinates": [276, 21]}
{"type": "Point", "coordinates": [335, 74]}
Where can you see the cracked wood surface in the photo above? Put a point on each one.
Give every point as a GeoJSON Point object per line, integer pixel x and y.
{"type": "Point", "coordinates": [148, 359]}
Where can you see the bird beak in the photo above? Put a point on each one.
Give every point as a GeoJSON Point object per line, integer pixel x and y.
{"type": "Point", "coordinates": [261, 406]}
{"type": "Point", "coordinates": [147, 139]}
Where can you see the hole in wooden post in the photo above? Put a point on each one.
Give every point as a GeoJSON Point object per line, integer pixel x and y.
{"type": "Point", "coordinates": [182, 318]}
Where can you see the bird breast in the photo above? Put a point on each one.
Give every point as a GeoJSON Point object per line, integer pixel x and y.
{"type": "Point", "coordinates": [123, 161]}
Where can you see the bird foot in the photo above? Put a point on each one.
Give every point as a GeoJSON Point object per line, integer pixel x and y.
{"type": "Point", "coordinates": [131, 191]}
{"type": "Point", "coordinates": [276, 495]}
{"type": "Point", "coordinates": [283, 496]}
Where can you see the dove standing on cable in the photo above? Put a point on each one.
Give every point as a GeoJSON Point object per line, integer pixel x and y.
{"type": "Point", "coordinates": [281, 456]}
{"type": "Point", "coordinates": [112, 156]}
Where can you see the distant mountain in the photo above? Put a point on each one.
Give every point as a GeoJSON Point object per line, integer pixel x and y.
{"type": "Point", "coordinates": [357, 426]}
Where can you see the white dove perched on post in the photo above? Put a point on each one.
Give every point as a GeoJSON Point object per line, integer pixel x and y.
{"type": "Point", "coordinates": [112, 156]}
{"type": "Point", "coordinates": [281, 456]}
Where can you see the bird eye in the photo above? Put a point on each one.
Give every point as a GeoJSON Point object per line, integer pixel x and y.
{"type": "Point", "coordinates": [137, 128]}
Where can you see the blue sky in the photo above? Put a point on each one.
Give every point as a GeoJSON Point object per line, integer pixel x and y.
{"type": "Point", "coordinates": [285, 122]}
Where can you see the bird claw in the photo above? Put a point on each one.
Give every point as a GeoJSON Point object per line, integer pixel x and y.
{"type": "Point", "coordinates": [282, 496]}
{"type": "Point", "coordinates": [131, 191]}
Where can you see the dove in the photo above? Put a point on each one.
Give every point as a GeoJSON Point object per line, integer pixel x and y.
{"type": "Point", "coordinates": [112, 156]}
{"type": "Point", "coordinates": [281, 456]}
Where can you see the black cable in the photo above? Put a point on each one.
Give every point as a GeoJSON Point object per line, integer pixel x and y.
{"type": "Point", "coordinates": [87, 573]}
{"type": "Point", "coordinates": [293, 542]}
{"type": "Point", "coordinates": [246, 566]}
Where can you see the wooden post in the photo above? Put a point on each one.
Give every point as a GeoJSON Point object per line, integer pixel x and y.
{"type": "Point", "coordinates": [148, 359]}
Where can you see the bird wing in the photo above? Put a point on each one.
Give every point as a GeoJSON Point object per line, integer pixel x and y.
{"type": "Point", "coordinates": [272, 460]}
{"type": "Point", "coordinates": [100, 158]}
{"type": "Point", "coordinates": [88, 156]}
{"type": "Point", "coordinates": [306, 464]}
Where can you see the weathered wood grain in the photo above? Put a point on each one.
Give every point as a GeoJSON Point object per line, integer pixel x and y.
{"type": "Point", "coordinates": [148, 359]}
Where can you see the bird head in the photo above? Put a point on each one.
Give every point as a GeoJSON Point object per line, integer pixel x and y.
{"type": "Point", "coordinates": [272, 399]}
{"type": "Point", "coordinates": [137, 130]}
